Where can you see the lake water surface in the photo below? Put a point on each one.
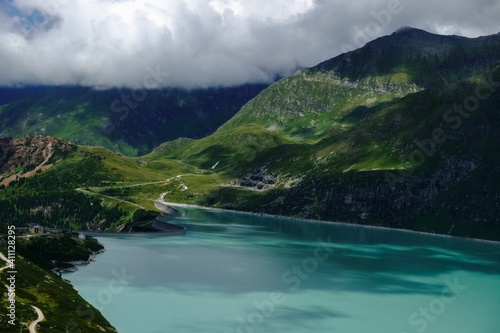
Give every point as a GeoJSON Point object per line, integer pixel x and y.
{"type": "Point", "coordinates": [242, 273]}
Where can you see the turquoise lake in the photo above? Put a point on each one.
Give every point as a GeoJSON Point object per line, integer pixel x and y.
{"type": "Point", "coordinates": [242, 273]}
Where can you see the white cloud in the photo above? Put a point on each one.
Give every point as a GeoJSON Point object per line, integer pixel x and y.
{"type": "Point", "coordinates": [207, 43]}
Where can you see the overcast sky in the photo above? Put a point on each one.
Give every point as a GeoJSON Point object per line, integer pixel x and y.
{"type": "Point", "coordinates": [200, 43]}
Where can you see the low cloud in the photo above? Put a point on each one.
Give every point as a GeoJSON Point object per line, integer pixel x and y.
{"type": "Point", "coordinates": [200, 43]}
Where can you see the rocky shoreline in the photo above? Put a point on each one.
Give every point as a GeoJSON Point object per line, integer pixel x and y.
{"type": "Point", "coordinates": [73, 264]}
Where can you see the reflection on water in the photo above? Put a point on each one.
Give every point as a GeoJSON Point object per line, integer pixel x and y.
{"type": "Point", "coordinates": [245, 273]}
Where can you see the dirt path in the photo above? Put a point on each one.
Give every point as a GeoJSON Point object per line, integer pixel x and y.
{"type": "Point", "coordinates": [178, 177]}
{"type": "Point", "coordinates": [189, 165]}
{"type": "Point", "coordinates": [32, 327]}
{"type": "Point", "coordinates": [107, 196]}
{"type": "Point", "coordinates": [40, 318]}
{"type": "Point", "coordinates": [134, 185]}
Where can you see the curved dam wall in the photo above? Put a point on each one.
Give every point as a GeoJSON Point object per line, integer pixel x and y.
{"type": "Point", "coordinates": [159, 222]}
{"type": "Point", "coordinates": [165, 208]}
{"type": "Point", "coordinates": [167, 227]}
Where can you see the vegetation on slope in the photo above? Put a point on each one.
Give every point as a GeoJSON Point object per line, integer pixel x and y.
{"type": "Point", "coordinates": [57, 250]}
{"type": "Point", "coordinates": [64, 309]}
{"type": "Point", "coordinates": [62, 196]}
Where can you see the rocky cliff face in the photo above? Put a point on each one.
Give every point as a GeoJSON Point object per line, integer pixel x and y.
{"type": "Point", "coordinates": [258, 180]}
{"type": "Point", "coordinates": [25, 156]}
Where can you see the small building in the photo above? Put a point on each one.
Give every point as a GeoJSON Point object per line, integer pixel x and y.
{"type": "Point", "coordinates": [81, 235]}
{"type": "Point", "coordinates": [36, 228]}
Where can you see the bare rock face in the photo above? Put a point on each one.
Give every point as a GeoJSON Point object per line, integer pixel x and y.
{"type": "Point", "coordinates": [25, 156]}
{"type": "Point", "coordinates": [259, 180]}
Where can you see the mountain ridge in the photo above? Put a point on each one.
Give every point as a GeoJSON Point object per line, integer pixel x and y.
{"type": "Point", "coordinates": [314, 145]}
{"type": "Point", "coordinates": [318, 100]}
{"type": "Point", "coordinates": [416, 46]}
{"type": "Point", "coordinates": [131, 122]}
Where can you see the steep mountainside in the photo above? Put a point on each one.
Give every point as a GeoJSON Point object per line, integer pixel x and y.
{"type": "Point", "coordinates": [413, 149]}
{"type": "Point", "coordinates": [413, 164]}
{"type": "Point", "coordinates": [334, 95]}
{"type": "Point", "coordinates": [426, 59]}
{"type": "Point", "coordinates": [408, 147]}
{"type": "Point", "coordinates": [63, 308]}
{"type": "Point", "coordinates": [131, 122]}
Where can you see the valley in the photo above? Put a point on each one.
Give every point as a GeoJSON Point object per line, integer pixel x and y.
{"type": "Point", "coordinates": [328, 143]}
{"type": "Point", "coordinates": [398, 135]}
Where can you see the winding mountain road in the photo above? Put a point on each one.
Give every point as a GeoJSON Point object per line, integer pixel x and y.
{"type": "Point", "coordinates": [39, 312]}
{"type": "Point", "coordinates": [126, 186]}
{"type": "Point", "coordinates": [39, 319]}
{"type": "Point", "coordinates": [107, 196]}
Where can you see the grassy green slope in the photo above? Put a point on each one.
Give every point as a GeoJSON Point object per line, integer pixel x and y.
{"type": "Point", "coordinates": [64, 309]}
{"type": "Point", "coordinates": [64, 195]}
{"type": "Point", "coordinates": [233, 148]}
{"type": "Point", "coordinates": [311, 105]}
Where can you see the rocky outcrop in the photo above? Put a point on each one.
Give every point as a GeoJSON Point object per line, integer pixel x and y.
{"type": "Point", "coordinates": [25, 156]}
{"type": "Point", "coordinates": [259, 180]}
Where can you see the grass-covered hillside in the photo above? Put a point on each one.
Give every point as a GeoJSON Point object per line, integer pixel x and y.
{"type": "Point", "coordinates": [63, 308]}
{"type": "Point", "coordinates": [62, 194]}
{"type": "Point", "coordinates": [57, 251]}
